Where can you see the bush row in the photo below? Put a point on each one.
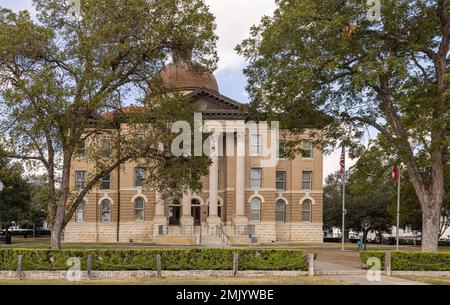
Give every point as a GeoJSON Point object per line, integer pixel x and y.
{"type": "Point", "coordinates": [412, 261]}
{"type": "Point", "coordinates": [145, 259]}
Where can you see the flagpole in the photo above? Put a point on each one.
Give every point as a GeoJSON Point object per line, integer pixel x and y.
{"type": "Point", "coordinates": [343, 213]}
{"type": "Point", "coordinates": [398, 209]}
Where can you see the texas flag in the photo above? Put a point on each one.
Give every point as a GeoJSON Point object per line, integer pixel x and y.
{"type": "Point", "coordinates": [395, 174]}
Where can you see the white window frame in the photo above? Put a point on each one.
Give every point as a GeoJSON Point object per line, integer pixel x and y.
{"type": "Point", "coordinates": [106, 150]}
{"type": "Point", "coordinates": [109, 210]}
{"type": "Point", "coordinates": [138, 185]}
{"type": "Point", "coordinates": [278, 211]}
{"type": "Point", "coordinates": [256, 147]}
{"type": "Point", "coordinates": [80, 184]}
{"type": "Point", "coordinates": [254, 179]}
{"type": "Point", "coordinates": [309, 210]}
{"type": "Point", "coordinates": [255, 200]}
{"type": "Point", "coordinates": [308, 146]}
{"type": "Point", "coordinates": [277, 181]}
{"type": "Point", "coordinates": [106, 181]}
{"type": "Point", "coordinates": [81, 211]}
{"type": "Point", "coordinates": [307, 181]}
{"type": "Point", "coordinates": [135, 209]}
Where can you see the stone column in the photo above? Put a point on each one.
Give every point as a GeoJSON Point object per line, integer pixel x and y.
{"type": "Point", "coordinates": [186, 213]}
{"type": "Point", "coordinates": [160, 218]}
{"type": "Point", "coordinates": [213, 217]}
{"type": "Point", "coordinates": [240, 217]}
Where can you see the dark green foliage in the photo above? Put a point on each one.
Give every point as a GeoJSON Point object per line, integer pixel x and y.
{"type": "Point", "coordinates": [413, 261]}
{"type": "Point", "coordinates": [145, 259]}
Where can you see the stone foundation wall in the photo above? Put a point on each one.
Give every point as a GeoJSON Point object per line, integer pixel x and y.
{"type": "Point", "coordinates": [138, 232]}
{"type": "Point", "coordinates": [299, 232]}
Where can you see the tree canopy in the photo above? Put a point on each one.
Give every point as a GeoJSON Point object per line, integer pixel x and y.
{"type": "Point", "coordinates": [65, 79]}
{"type": "Point", "coordinates": [389, 74]}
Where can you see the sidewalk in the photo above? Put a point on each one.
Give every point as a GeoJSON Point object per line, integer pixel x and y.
{"type": "Point", "coordinates": [357, 276]}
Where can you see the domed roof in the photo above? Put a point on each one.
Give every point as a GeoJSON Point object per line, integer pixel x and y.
{"type": "Point", "coordinates": [182, 77]}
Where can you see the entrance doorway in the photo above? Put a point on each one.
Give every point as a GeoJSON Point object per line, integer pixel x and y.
{"type": "Point", "coordinates": [196, 212]}
{"type": "Point", "coordinates": [174, 214]}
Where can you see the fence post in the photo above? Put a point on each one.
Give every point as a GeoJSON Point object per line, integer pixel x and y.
{"type": "Point", "coordinates": [311, 264]}
{"type": "Point", "coordinates": [235, 263]}
{"type": "Point", "coordinates": [19, 267]}
{"type": "Point", "coordinates": [89, 266]}
{"type": "Point", "coordinates": [158, 265]}
{"type": "Point", "coordinates": [387, 263]}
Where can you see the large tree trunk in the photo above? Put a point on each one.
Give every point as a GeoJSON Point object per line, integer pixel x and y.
{"type": "Point", "coordinates": [59, 223]}
{"type": "Point", "coordinates": [55, 241]}
{"type": "Point", "coordinates": [431, 228]}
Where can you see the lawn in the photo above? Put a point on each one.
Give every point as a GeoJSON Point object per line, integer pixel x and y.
{"type": "Point", "coordinates": [302, 280]}
{"type": "Point", "coordinates": [429, 280]}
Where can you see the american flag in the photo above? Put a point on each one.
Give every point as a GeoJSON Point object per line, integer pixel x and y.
{"type": "Point", "coordinates": [342, 164]}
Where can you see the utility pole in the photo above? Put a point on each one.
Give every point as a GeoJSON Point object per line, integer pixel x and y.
{"type": "Point", "coordinates": [398, 210]}
{"type": "Point", "coordinates": [1, 231]}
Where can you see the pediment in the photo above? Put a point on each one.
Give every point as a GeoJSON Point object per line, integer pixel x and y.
{"type": "Point", "coordinates": [208, 101]}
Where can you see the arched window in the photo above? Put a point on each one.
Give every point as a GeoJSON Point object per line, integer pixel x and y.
{"type": "Point", "coordinates": [255, 209]}
{"type": "Point", "coordinates": [80, 213]}
{"type": "Point", "coordinates": [280, 211]}
{"type": "Point", "coordinates": [105, 210]}
{"type": "Point", "coordinates": [306, 210]}
{"type": "Point", "coordinates": [139, 209]}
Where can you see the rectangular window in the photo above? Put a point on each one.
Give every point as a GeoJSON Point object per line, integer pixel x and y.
{"type": "Point", "coordinates": [307, 181]}
{"type": "Point", "coordinates": [81, 151]}
{"type": "Point", "coordinates": [281, 149]}
{"type": "Point", "coordinates": [307, 150]}
{"type": "Point", "coordinates": [256, 145]}
{"type": "Point", "coordinates": [105, 145]}
{"type": "Point", "coordinates": [106, 182]}
{"type": "Point", "coordinates": [255, 178]}
{"type": "Point", "coordinates": [80, 179]}
{"type": "Point", "coordinates": [140, 142]}
{"type": "Point", "coordinates": [281, 181]}
{"type": "Point", "coordinates": [139, 175]}
{"type": "Point", "coordinates": [80, 213]}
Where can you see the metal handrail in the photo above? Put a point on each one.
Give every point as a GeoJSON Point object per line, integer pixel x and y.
{"type": "Point", "coordinates": [224, 233]}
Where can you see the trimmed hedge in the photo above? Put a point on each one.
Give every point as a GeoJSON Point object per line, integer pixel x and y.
{"type": "Point", "coordinates": [145, 259]}
{"type": "Point", "coordinates": [412, 261]}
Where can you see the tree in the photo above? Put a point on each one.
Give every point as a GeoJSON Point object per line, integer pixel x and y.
{"type": "Point", "coordinates": [390, 74]}
{"type": "Point", "coordinates": [65, 79]}
{"type": "Point", "coordinates": [368, 195]}
{"type": "Point", "coordinates": [411, 212]}
{"type": "Point", "coordinates": [15, 197]}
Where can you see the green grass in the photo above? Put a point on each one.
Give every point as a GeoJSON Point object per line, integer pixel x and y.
{"type": "Point", "coordinates": [300, 280]}
{"type": "Point", "coordinates": [429, 280]}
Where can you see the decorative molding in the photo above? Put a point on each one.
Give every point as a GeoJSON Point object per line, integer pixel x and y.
{"type": "Point", "coordinates": [307, 197]}
{"type": "Point", "coordinates": [280, 196]}
{"type": "Point", "coordinates": [105, 196]}
{"type": "Point", "coordinates": [256, 195]}
{"type": "Point", "coordinates": [139, 195]}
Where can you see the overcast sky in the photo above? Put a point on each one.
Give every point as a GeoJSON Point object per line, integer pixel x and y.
{"type": "Point", "coordinates": [234, 19]}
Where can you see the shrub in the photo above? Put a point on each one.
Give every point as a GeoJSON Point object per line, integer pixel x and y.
{"type": "Point", "coordinates": [145, 259]}
{"type": "Point", "coordinates": [412, 261]}
{"type": "Point", "coordinates": [368, 254]}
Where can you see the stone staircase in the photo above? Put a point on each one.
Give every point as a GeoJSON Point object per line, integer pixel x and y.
{"type": "Point", "coordinates": [214, 239]}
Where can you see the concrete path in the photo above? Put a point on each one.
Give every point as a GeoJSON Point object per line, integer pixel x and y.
{"type": "Point", "coordinates": [357, 276]}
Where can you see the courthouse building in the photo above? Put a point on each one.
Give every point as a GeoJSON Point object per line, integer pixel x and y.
{"type": "Point", "coordinates": [240, 200]}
